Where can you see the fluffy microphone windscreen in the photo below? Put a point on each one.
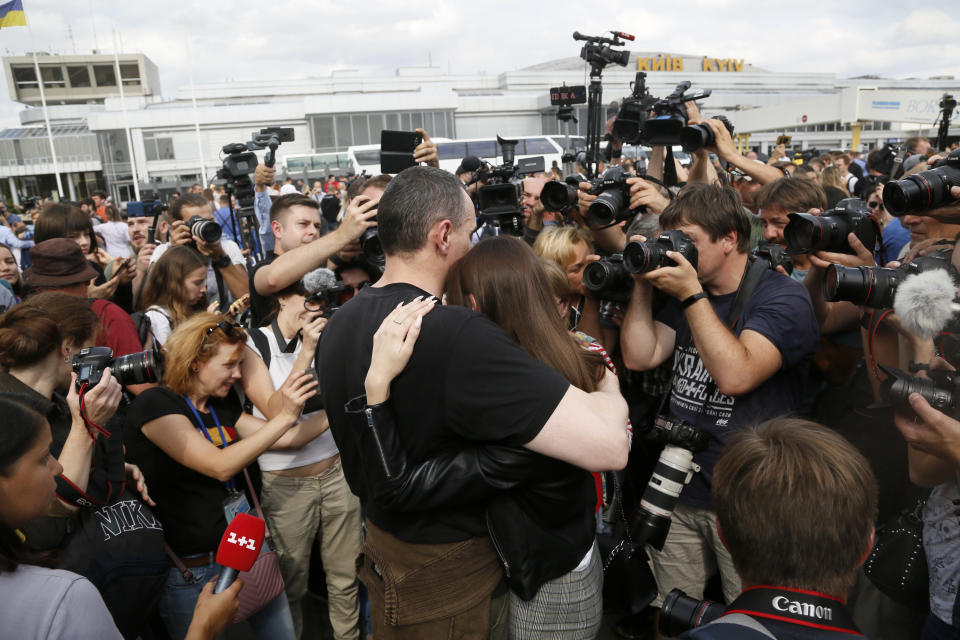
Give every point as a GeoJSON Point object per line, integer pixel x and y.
{"type": "Point", "coordinates": [924, 302]}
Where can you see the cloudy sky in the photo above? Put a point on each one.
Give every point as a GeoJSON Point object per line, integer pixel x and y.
{"type": "Point", "coordinates": [242, 39]}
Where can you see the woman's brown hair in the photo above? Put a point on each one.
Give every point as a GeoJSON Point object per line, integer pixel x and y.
{"type": "Point", "coordinates": [59, 220]}
{"type": "Point", "coordinates": [74, 317]}
{"type": "Point", "coordinates": [194, 342]}
{"type": "Point", "coordinates": [511, 288]}
{"type": "Point", "coordinates": [27, 335]}
{"type": "Point", "coordinates": [164, 286]}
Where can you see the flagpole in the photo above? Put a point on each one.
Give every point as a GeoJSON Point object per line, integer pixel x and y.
{"type": "Point", "coordinates": [46, 116]}
{"type": "Point", "coordinates": [126, 127]}
{"type": "Point", "coordinates": [196, 115]}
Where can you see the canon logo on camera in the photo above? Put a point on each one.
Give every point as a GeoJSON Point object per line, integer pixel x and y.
{"type": "Point", "coordinates": [819, 612]}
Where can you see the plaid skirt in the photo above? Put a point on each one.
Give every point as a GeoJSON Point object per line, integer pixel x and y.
{"type": "Point", "coordinates": [567, 608]}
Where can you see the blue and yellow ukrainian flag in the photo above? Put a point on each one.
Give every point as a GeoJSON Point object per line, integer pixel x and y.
{"type": "Point", "coordinates": [11, 14]}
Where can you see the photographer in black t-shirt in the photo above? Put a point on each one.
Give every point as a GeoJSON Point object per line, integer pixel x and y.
{"type": "Point", "coordinates": [728, 372]}
{"type": "Point", "coordinates": [467, 382]}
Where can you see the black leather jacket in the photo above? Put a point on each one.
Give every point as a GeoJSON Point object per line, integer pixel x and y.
{"type": "Point", "coordinates": [539, 510]}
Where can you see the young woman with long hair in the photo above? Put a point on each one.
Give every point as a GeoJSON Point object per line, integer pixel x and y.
{"type": "Point", "coordinates": [543, 528]}
{"type": "Point", "coordinates": [176, 288]}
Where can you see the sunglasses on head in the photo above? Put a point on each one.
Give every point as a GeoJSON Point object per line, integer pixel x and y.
{"type": "Point", "coordinates": [231, 329]}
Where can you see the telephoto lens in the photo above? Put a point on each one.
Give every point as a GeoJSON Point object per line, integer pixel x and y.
{"type": "Point", "coordinates": [925, 190]}
{"type": "Point", "coordinates": [605, 209]}
{"type": "Point", "coordinates": [205, 229]}
{"type": "Point", "coordinates": [137, 368]}
{"type": "Point", "coordinates": [673, 471]}
{"type": "Point", "coordinates": [558, 196]}
{"type": "Point", "coordinates": [680, 613]}
{"type": "Point", "coordinates": [872, 287]}
{"type": "Point", "coordinates": [942, 392]}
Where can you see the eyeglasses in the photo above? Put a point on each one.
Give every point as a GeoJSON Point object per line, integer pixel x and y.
{"type": "Point", "coordinates": [231, 329]}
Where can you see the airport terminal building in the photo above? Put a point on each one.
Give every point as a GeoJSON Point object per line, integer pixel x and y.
{"type": "Point", "coordinates": [104, 142]}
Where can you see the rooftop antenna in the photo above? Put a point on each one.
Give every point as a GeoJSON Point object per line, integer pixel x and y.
{"type": "Point", "coordinates": [96, 46]}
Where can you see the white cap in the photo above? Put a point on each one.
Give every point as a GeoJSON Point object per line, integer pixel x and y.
{"type": "Point", "coordinates": [288, 188]}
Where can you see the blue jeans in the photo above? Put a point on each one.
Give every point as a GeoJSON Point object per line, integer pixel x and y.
{"type": "Point", "coordinates": [273, 622]}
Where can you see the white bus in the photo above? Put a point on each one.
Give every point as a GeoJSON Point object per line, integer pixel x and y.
{"type": "Point", "coordinates": [316, 164]}
{"type": "Point", "coordinates": [452, 152]}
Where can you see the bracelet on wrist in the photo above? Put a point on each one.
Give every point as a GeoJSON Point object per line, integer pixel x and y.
{"type": "Point", "coordinates": [687, 302]}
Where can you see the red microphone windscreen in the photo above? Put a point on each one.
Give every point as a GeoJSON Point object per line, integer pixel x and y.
{"type": "Point", "coordinates": [241, 542]}
{"type": "Point", "coordinates": [625, 36]}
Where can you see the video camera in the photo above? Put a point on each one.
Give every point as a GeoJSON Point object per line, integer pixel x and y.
{"type": "Point", "coordinates": [498, 199]}
{"type": "Point", "coordinates": [628, 127]}
{"type": "Point", "coordinates": [239, 162]}
{"type": "Point", "coordinates": [925, 190]}
{"type": "Point", "coordinates": [665, 126]}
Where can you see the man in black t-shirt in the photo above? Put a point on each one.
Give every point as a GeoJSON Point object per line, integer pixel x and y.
{"type": "Point", "coordinates": [298, 246]}
{"type": "Point", "coordinates": [467, 383]}
{"type": "Point", "coordinates": [724, 378]}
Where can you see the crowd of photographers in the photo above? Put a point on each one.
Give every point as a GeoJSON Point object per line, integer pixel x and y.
{"type": "Point", "coordinates": [731, 379]}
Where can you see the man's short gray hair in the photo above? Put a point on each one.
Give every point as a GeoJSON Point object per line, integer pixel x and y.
{"type": "Point", "coordinates": [416, 199]}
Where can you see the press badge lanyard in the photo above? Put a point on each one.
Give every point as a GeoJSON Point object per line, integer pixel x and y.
{"type": "Point", "coordinates": [231, 483]}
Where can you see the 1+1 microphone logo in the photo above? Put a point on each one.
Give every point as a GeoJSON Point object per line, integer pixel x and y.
{"type": "Point", "coordinates": [243, 541]}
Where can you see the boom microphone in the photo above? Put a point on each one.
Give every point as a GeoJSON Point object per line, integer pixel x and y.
{"type": "Point", "coordinates": [924, 302]}
{"type": "Point", "coordinates": [239, 548]}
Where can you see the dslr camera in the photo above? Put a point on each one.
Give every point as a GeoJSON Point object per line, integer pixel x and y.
{"type": "Point", "coordinates": [925, 190]}
{"type": "Point", "coordinates": [680, 613]}
{"type": "Point", "coordinates": [806, 233]}
{"type": "Point", "coordinates": [204, 228]}
{"type": "Point", "coordinates": [134, 368]}
{"type": "Point", "coordinates": [610, 281]}
{"type": "Point", "coordinates": [941, 390]}
{"type": "Point", "coordinates": [876, 287]}
{"type": "Point", "coordinates": [613, 197]}
{"type": "Point", "coordinates": [643, 257]}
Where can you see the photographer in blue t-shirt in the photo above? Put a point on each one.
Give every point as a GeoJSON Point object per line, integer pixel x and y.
{"type": "Point", "coordinates": [728, 373]}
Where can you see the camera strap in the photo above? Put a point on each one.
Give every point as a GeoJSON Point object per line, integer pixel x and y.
{"type": "Point", "coordinates": [107, 475]}
{"type": "Point", "coordinates": [795, 606]}
{"type": "Point", "coordinates": [221, 289]}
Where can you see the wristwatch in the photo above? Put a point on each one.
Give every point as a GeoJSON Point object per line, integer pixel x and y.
{"type": "Point", "coordinates": [222, 262]}
{"type": "Point", "coordinates": [689, 301]}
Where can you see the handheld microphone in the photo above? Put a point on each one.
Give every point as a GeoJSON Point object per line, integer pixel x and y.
{"type": "Point", "coordinates": [924, 302]}
{"type": "Point", "coordinates": [239, 548]}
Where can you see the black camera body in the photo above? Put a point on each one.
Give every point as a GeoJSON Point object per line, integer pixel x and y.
{"type": "Point", "coordinates": [678, 433]}
{"type": "Point", "coordinates": [665, 126]}
{"type": "Point", "coordinates": [876, 287]}
{"type": "Point", "coordinates": [697, 136]}
{"type": "Point", "coordinates": [806, 233]}
{"type": "Point", "coordinates": [643, 257]}
{"type": "Point", "coordinates": [134, 368]}
{"type": "Point", "coordinates": [941, 390]}
{"type": "Point", "coordinates": [774, 255]}
{"type": "Point", "coordinates": [204, 228]}
{"type": "Point", "coordinates": [613, 197]}
{"type": "Point", "coordinates": [925, 190]}
{"type": "Point", "coordinates": [610, 281]}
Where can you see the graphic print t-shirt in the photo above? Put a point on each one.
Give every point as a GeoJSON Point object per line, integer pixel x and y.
{"type": "Point", "coordinates": [780, 310]}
